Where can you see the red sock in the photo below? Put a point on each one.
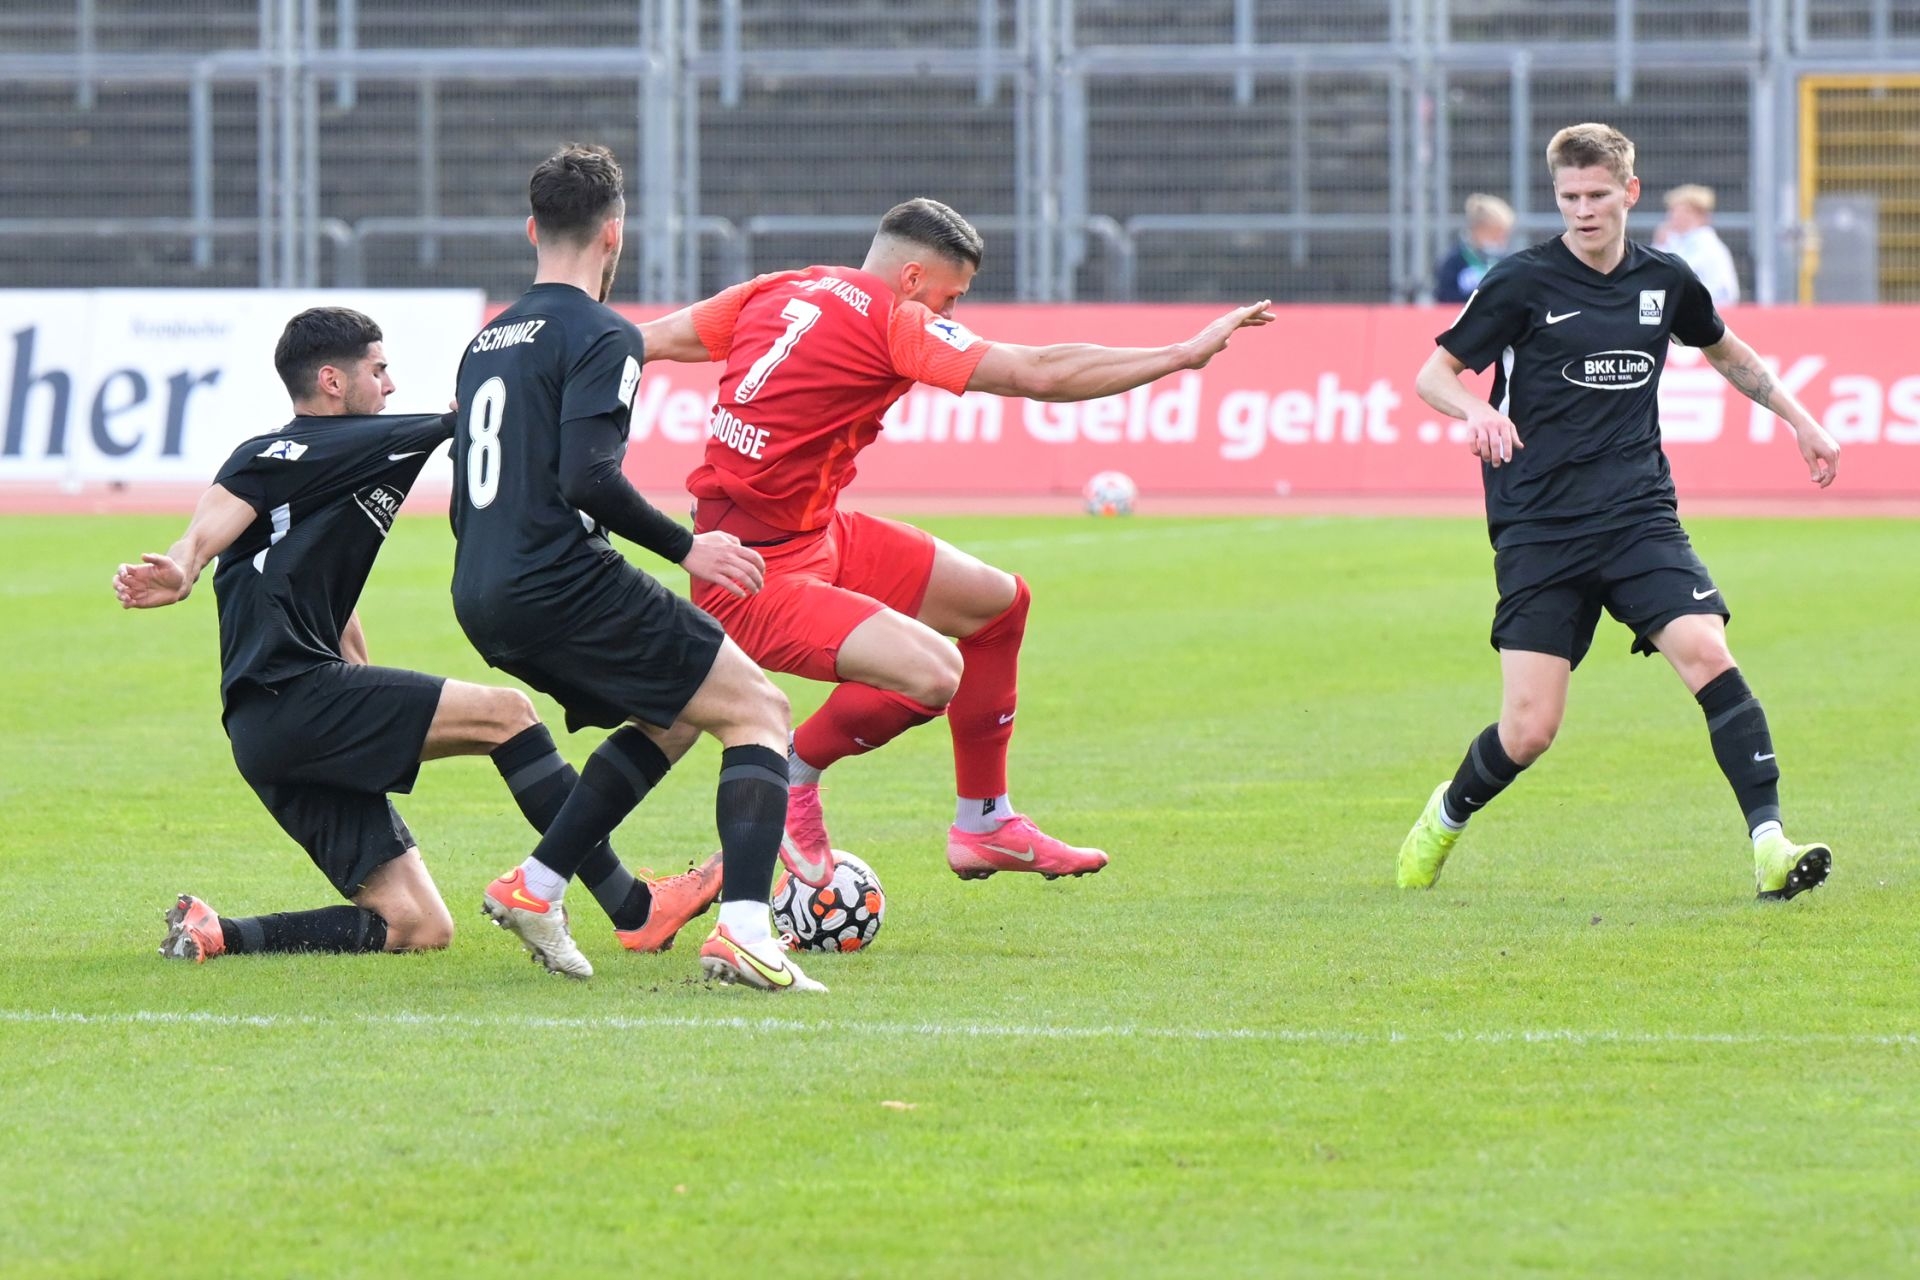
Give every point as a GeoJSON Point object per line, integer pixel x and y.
{"type": "Point", "coordinates": [981, 715]}
{"type": "Point", "coordinates": [854, 720]}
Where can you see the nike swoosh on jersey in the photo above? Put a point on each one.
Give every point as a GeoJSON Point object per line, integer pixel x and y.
{"type": "Point", "coordinates": [1554, 319]}
{"type": "Point", "coordinates": [402, 457]}
{"type": "Point", "coordinates": [1008, 718]}
{"type": "Point", "coordinates": [1762, 759]}
{"type": "Point", "coordinates": [1023, 855]}
{"type": "Point", "coordinates": [1702, 595]}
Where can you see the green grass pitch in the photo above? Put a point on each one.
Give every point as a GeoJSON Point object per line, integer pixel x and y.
{"type": "Point", "coordinates": [1238, 1051]}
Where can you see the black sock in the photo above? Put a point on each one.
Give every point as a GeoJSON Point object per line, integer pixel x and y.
{"type": "Point", "coordinates": [338, 929]}
{"type": "Point", "coordinates": [1484, 773]}
{"type": "Point", "coordinates": [1743, 745]}
{"type": "Point", "coordinates": [622, 895]}
{"type": "Point", "coordinates": [751, 810]}
{"type": "Point", "coordinates": [541, 780]}
{"type": "Point", "coordinates": [618, 776]}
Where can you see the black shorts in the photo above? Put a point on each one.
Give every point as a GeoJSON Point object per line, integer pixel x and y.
{"type": "Point", "coordinates": [322, 751]}
{"type": "Point", "coordinates": [1551, 593]}
{"type": "Point", "coordinates": [636, 652]}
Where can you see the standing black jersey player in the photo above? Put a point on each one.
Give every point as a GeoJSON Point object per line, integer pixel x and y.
{"type": "Point", "coordinates": [1580, 504]}
{"type": "Point", "coordinates": [297, 517]}
{"type": "Point", "coordinates": [545, 392]}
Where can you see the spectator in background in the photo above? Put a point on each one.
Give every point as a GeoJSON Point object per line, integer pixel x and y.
{"type": "Point", "coordinates": [1483, 243]}
{"type": "Point", "coordinates": [1688, 234]}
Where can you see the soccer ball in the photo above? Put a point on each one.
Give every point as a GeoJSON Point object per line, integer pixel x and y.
{"type": "Point", "coordinates": [1110, 493]}
{"type": "Point", "coordinates": [843, 916]}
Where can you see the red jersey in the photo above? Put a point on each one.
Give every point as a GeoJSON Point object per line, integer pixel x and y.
{"type": "Point", "coordinates": [814, 358]}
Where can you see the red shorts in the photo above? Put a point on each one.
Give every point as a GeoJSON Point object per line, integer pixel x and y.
{"type": "Point", "coordinates": [821, 586]}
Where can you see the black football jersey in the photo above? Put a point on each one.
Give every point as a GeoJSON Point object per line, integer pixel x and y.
{"type": "Point", "coordinates": [555, 356]}
{"type": "Point", "coordinates": [1579, 356]}
{"type": "Point", "coordinates": [324, 491]}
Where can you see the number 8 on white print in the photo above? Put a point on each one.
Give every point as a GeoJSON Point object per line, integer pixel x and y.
{"type": "Point", "coordinates": [484, 419]}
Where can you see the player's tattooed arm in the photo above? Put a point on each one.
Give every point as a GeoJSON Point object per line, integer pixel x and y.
{"type": "Point", "coordinates": [1753, 382]}
{"type": "Point", "coordinates": [1741, 365]}
{"type": "Point", "coordinates": [163, 579]}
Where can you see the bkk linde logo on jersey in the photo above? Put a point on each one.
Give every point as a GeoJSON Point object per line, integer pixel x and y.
{"type": "Point", "coordinates": [381, 504]}
{"type": "Point", "coordinates": [1609, 370]}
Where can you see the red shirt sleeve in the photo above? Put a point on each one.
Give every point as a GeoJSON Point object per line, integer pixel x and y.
{"type": "Point", "coordinates": [713, 319]}
{"type": "Point", "coordinates": [926, 348]}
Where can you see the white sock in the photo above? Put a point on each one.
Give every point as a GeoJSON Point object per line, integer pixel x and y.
{"type": "Point", "coordinates": [747, 920]}
{"type": "Point", "coordinates": [1764, 830]}
{"type": "Point", "coordinates": [543, 881]}
{"type": "Point", "coordinates": [799, 772]}
{"type": "Point", "coordinates": [1447, 819]}
{"type": "Point", "coordinates": [981, 817]}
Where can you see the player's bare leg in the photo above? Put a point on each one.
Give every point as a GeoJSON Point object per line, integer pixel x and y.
{"type": "Point", "coordinates": [985, 609]}
{"type": "Point", "coordinates": [741, 707]}
{"type": "Point", "coordinates": [1533, 702]}
{"type": "Point", "coordinates": [473, 719]}
{"type": "Point", "coordinates": [895, 673]}
{"type": "Point", "coordinates": [402, 893]}
{"type": "Point", "coordinates": [1696, 646]}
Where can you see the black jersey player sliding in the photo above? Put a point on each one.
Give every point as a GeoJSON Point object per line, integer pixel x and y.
{"type": "Point", "coordinates": [296, 517]}
{"type": "Point", "coordinates": [1580, 504]}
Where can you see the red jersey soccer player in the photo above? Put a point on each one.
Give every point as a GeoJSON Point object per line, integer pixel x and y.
{"type": "Point", "coordinates": [814, 358]}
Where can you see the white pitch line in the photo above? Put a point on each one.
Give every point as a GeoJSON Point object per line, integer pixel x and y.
{"type": "Point", "coordinates": [962, 1030]}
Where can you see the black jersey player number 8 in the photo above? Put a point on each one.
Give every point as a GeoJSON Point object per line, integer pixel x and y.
{"type": "Point", "coordinates": [482, 455]}
{"type": "Point", "coordinates": [484, 419]}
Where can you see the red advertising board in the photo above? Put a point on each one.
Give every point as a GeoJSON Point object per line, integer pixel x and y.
{"type": "Point", "coordinates": [1322, 402]}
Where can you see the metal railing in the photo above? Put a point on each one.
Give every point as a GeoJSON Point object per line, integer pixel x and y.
{"type": "Point", "coordinates": [1042, 71]}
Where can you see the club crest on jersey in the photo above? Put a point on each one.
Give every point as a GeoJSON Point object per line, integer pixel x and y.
{"type": "Point", "coordinates": [952, 333]}
{"type": "Point", "coordinates": [629, 381]}
{"type": "Point", "coordinates": [1653, 305]}
{"type": "Point", "coordinates": [285, 450]}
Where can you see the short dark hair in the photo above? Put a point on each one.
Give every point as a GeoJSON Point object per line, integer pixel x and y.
{"type": "Point", "coordinates": [321, 336]}
{"type": "Point", "coordinates": [574, 190]}
{"type": "Point", "coordinates": [933, 225]}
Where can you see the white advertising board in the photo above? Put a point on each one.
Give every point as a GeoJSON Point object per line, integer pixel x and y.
{"type": "Point", "coordinates": [158, 385]}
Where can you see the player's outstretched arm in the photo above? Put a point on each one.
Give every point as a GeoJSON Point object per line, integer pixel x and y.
{"type": "Point", "coordinates": [168, 579]}
{"type": "Point", "coordinates": [1739, 364]}
{"type": "Point", "coordinates": [1494, 437]}
{"type": "Point", "coordinates": [674, 338]}
{"type": "Point", "coordinates": [1084, 371]}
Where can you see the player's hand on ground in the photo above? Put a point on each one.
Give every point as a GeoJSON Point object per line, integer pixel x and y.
{"type": "Point", "coordinates": [1493, 438]}
{"type": "Point", "coordinates": [720, 558]}
{"type": "Point", "coordinates": [1212, 340]}
{"type": "Point", "coordinates": [155, 581]}
{"type": "Point", "coordinates": [1822, 453]}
